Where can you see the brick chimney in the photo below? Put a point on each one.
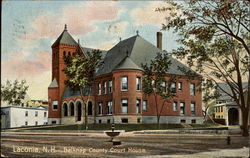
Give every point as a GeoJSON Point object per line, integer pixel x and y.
{"type": "Point", "coordinates": [159, 40]}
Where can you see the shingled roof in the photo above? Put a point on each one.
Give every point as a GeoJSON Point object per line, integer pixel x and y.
{"type": "Point", "coordinates": [65, 38]}
{"type": "Point", "coordinates": [133, 52]}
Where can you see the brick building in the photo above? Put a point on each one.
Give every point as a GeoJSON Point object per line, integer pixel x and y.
{"type": "Point", "coordinates": [118, 92]}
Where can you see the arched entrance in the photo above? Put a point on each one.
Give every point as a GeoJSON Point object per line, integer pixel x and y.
{"type": "Point", "coordinates": [72, 109]}
{"type": "Point", "coordinates": [233, 116]}
{"type": "Point", "coordinates": [79, 111]}
{"type": "Point", "coordinates": [65, 109]}
{"type": "Point", "coordinates": [90, 108]}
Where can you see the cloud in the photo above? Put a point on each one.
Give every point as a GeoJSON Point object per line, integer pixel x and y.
{"type": "Point", "coordinates": [106, 45]}
{"type": "Point", "coordinates": [80, 19]}
{"type": "Point", "coordinates": [18, 67]}
{"type": "Point", "coordinates": [148, 15]}
{"type": "Point", "coordinates": [118, 28]}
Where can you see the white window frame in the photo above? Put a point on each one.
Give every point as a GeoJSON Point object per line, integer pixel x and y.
{"type": "Point", "coordinates": [144, 105]}
{"type": "Point", "coordinates": [105, 87]}
{"type": "Point", "coordinates": [175, 106]}
{"type": "Point", "coordinates": [109, 108]}
{"type": "Point", "coordinates": [138, 83]}
{"type": "Point", "coordinates": [126, 82]}
{"type": "Point", "coordinates": [192, 89]}
{"type": "Point", "coordinates": [124, 101]}
{"type": "Point", "coordinates": [138, 108]}
{"type": "Point", "coordinates": [99, 88]}
{"type": "Point", "coordinates": [100, 108]}
{"type": "Point", "coordinates": [110, 85]}
{"type": "Point", "coordinates": [182, 106]}
{"type": "Point", "coordinates": [180, 86]}
{"type": "Point", "coordinates": [192, 108]}
{"type": "Point", "coordinates": [54, 103]}
{"type": "Point", "coordinates": [36, 113]}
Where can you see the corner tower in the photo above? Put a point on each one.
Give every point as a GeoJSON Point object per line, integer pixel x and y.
{"type": "Point", "coordinates": [65, 45]}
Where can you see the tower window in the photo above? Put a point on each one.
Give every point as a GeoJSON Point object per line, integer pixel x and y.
{"type": "Point", "coordinates": [138, 83]}
{"type": "Point", "coordinates": [64, 53]}
{"type": "Point", "coordinates": [124, 83]}
{"type": "Point", "coordinates": [69, 54]}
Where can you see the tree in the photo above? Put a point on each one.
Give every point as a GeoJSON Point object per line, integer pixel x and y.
{"type": "Point", "coordinates": [14, 92]}
{"type": "Point", "coordinates": [154, 82]}
{"type": "Point", "coordinates": [80, 71]}
{"type": "Point", "coordinates": [210, 93]}
{"type": "Point", "coordinates": [214, 38]}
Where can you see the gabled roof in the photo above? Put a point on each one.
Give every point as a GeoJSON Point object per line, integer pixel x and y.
{"type": "Point", "coordinates": [139, 51]}
{"type": "Point", "coordinates": [65, 38]}
{"type": "Point", "coordinates": [53, 84]}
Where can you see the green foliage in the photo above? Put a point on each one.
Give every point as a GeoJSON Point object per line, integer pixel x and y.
{"type": "Point", "coordinates": [154, 74]}
{"type": "Point", "coordinates": [14, 92]}
{"type": "Point", "coordinates": [215, 38]}
{"type": "Point", "coordinates": [80, 71]}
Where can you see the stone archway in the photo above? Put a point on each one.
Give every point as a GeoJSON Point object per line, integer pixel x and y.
{"type": "Point", "coordinates": [72, 109]}
{"type": "Point", "coordinates": [233, 116]}
{"type": "Point", "coordinates": [65, 109]}
{"type": "Point", "coordinates": [90, 108]}
{"type": "Point", "coordinates": [78, 111]}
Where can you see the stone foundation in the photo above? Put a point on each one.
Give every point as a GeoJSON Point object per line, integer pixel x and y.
{"type": "Point", "coordinates": [172, 119]}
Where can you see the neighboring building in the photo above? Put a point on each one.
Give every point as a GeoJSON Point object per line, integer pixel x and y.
{"type": "Point", "coordinates": [117, 94]}
{"type": "Point", "coordinates": [3, 120]}
{"type": "Point", "coordinates": [18, 116]}
{"type": "Point", "coordinates": [35, 103]}
{"type": "Point", "coordinates": [227, 108]}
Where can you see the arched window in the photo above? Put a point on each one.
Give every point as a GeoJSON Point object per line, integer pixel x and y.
{"type": "Point", "coordinates": [79, 111]}
{"type": "Point", "coordinates": [64, 53]}
{"type": "Point", "coordinates": [72, 109]}
{"type": "Point", "coordinates": [65, 109]}
{"type": "Point", "coordinates": [69, 54]}
{"type": "Point", "coordinates": [90, 108]}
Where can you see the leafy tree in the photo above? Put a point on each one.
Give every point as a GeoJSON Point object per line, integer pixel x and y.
{"type": "Point", "coordinates": [14, 92]}
{"type": "Point", "coordinates": [210, 93]}
{"type": "Point", "coordinates": [80, 71]}
{"type": "Point", "coordinates": [214, 38]}
{"type": "Point", "coordinates": [154, 82]}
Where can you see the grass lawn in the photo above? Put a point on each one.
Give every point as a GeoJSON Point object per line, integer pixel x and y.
{"type": "Point", "coordinates": [126, 127]}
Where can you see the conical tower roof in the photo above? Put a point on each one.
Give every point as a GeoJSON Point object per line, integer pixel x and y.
{"type": "Point", "coordinates": [65, 38]}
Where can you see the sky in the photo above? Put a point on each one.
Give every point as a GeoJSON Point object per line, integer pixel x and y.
{"type": "Point", "coordinates": [29, 28]}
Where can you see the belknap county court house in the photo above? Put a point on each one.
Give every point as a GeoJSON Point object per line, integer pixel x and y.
{"type": "Point", "coordinates": [118, 92]}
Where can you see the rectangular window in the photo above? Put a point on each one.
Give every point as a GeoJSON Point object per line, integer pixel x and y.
{"type": "Point", "coordinates": [175, 106]}
{"type": "Point", "coordinates": [105, 87]}
{"type": "Point", "coordinates": [221, 109]}
{"type": "Point", "coordinates": [138, 83]}
{"type": "Point", "coordinates": [138, 106]}
{"type": "Point", "coordinates": [26, 123]}
{"type": "Point", "coordinates": [145, 105]}
{"type": "Point", "coordinates": [36, 123]}
{"type": "Point", "coordinates": [173, 87]}
{"type": "Point", "coordinates": [193, 121]}
{"type": "Point", "coordinates": [109, 107]}
{"type": "Point", "coordinates": [124, 83]}
{"type": "Point", "coordinates": [36, 113]}
{"type": "Point", "coordinates": [163, 86]}
{"type": "Point", "coordinates": [45, 114]}
{"type": "Point", "coordinates": [110, 86]}
{"type": "Point", "coordinates": [125, 106]}
{"type": "Point", "coordinates": [192, 89]}
{"type": "Point", "coordinates": [26, 113]}
{"type": "Point", "coordinates": [183, 121]}
{"type": "Point", "coordinates": [99, 108]}
{"type": "Point", "coordinates": [53, 122]}
{"type": "Point", "coordinates": [99, 89]}
{"type": "Point", "coordinates": [182, 108]}
{"type": "Point", "coordinates": [180, 86]}
{"type": "Point", "coordinates": [124, 120]}
{"type": "Point", "coordinates": [55, 104]}
{"type": "Point", "coordinates": [192, 106]}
